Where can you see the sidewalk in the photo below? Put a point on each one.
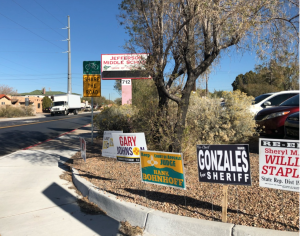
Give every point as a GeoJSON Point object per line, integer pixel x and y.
{"type": "Point", "coordinates": [35, 201]}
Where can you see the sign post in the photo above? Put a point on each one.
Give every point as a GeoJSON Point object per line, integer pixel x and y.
{"type": "Point", "coordinates": [224, 203]}
{"type": "Point", "coordinates": [91, 84]}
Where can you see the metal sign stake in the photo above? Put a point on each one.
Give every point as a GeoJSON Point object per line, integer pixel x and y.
{"type": "Point", "coordinates": [92, 101]}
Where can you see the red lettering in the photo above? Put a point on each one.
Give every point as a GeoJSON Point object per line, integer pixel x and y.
{"type": "Point", "coordinates": [294, 153]}
{"type": "Point", "coordinates": [129, 141]}
{"type": "Point", "coordinates": [121, 140]}
{"type": "Point", "coordinates": [280, 171]}
{"type": "Point", "coordinates": [288, 171]}
{"type": "Point", "coordinates": [294, 173]}
{"type": "Point", "coordinates": [289, 162]}
{"type": "Point", "coordinates": [270, 159]}
{"type": "Point", "coordinates": [125, 141]}
{"type": "Point", "coordinates": [297, 159]}
{"type": "Point", "coordinates": [133, 139]}
{"type": "Point", "coordinates": [277, 162]}
{"type": "Point", "coordinates": [281, 163]}
{"type": "Point", "coordinates": [265, 170]}
{"type": "Point", "coordinates": [272, 168]}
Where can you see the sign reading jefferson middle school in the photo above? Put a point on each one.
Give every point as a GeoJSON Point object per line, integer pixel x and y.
{"type": "Point", "coordinates": [224, 164]}
{"type": "Point", "coordinates": [164, 168]}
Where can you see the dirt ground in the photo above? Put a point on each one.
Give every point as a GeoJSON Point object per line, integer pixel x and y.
{"type": "Point", "coordinates": [247, 205]}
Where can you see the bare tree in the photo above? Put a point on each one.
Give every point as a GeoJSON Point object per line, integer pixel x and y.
{"type": "Point", "coordinates": [189, 36]}
{"type": "Point", "coordinates": [4, 89]}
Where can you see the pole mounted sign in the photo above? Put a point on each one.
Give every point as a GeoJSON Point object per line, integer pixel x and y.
{"type": "Point", "coordinates": [91, 67]}
{"type": "Point", "coordinates": [124, 66]}
{"type": "Point", "coordinates": [91, 79]}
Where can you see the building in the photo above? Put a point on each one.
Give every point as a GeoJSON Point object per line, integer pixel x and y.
{"type": "Point", "coordinates": [5, 100]}
{"type": "Point", "coordinates": [35, 101]}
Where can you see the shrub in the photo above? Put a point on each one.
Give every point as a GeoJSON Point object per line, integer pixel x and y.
{"type": "Point", "coordinates": [211, 123]}
{"type": "Point", "coordinates": [207, 122]}
{"type": "Point", "coordinates": [115, 118]}
{"type": "Point", "coordinates": [18, 111]}
{"type": "Point", "coordinates": [158, 129]}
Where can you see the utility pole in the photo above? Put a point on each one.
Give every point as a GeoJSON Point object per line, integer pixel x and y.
{"type": "Point", "coordinates": [69, 58]}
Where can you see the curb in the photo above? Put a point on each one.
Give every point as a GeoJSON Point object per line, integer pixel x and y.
{"type": "Point", "coordinates": [161, 223]}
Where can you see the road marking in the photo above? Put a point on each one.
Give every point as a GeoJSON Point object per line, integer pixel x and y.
{"type": "Point", "coordinates": [33, 123]}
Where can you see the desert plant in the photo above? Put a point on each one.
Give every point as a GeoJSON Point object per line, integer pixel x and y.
{"type": "Point", "coordinates": [12, 111]}
{"type": "Point", "coordinates": [115, 118]}
{"type": "Point", "coordinates": [210, 123]}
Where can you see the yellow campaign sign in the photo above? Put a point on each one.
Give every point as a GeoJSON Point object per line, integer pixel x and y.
{"type": "Point", "coordinates": [165, 168]}
{"type": "Point", "coordinates": [91, 86]}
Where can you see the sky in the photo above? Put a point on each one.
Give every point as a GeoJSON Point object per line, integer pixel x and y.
{"type": "Point", "coordinates": [32, 46]}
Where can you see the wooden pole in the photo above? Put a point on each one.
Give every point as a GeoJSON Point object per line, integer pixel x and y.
{"type": "Point", "coordinates": [224, 203]}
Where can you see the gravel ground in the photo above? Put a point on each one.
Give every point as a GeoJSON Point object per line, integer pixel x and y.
{"type": "Point", "coordinates": [247, 205]}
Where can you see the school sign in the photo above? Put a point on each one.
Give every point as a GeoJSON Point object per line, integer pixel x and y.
{"type": "Point", "coordinates": [163, 168]}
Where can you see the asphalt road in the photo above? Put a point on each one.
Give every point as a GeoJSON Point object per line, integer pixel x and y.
{"type": "Point", "coordinates": [20, 134]}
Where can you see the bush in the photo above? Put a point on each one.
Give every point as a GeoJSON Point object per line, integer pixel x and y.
{"type": "Point", "coordinates": [212, 123]}
{"type": "Point", "coordinates": [158, 129]}
{"type": "Point", "coordinates": [12, 111]}
{"type": "Point", "coordinates": [115, 118]}
{"type": "Point", "coordinates": [207, 122]}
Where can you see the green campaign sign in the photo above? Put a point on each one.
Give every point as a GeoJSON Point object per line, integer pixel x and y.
{"type": "Point", "coordinates": [91, 67]}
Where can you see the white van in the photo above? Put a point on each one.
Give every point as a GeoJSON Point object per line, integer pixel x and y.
{"type": "Point", "coordinates": [271, 100]}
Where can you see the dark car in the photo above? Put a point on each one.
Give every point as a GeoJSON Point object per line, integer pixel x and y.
{"type": "Point", "coordinates": [47, 109]}
{"type": "Point", "coordinates": [291, 126]}
{"type": "Point", "coordinates": [271, 120]}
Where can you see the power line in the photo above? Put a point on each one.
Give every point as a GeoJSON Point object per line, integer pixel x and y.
{"type": "Point", "coordinates": [29, 51]}
{"type": "Point", "coordinates": [48, 12]}
{"type": "Point", "coordinates": [28, 40]}
{"type": "Point", "coordinates": [31, 31]}
{"type": "Point", "coordinates": [38, 18]}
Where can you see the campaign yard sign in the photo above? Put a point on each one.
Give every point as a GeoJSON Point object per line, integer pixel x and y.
{"type": "Point", "coordinates": [83, 149]}
{"type": "Point", "coordinates": [127, 146]}
{"type": "Point", "coordinates": [279, 164]}
{"type": "Point", "coordinates": [108, 144]}
{"type": "Point", "coordinates": [163, 168]}
{"type": "Point", "coordinates": [224, 164]}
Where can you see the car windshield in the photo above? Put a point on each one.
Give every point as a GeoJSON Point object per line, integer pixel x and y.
{"type": "Point", "coordinates": [260, 98]}
{"type": "Point", "coordinates": [293, 101]}
{"type": "Point", "coordinates": [58, 104]}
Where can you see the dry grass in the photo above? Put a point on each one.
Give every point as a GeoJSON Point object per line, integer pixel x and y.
{"type": "Point", "coordinates": [127, 229]}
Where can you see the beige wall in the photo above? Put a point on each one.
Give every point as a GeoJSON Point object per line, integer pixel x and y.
{"type": "Point", "coordinates": [35, 101]}
{"type": "Point", "coordinates": [4, 101]}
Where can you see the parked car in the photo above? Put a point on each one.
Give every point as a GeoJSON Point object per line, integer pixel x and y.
{"type": "Point", "coordinates": [291, 126]}
{"type": "Point", "coordinates": [268, 100]}
{"type": "Point", "coordinates": [271, 120]}
{"type": "Point", "coordinates": [47, 110]}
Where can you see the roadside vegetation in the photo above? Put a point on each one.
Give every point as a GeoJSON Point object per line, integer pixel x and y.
{"type": "Point", "coordinates": [20, 111]}
{"type": "Point", "coordinates": [207, 121]}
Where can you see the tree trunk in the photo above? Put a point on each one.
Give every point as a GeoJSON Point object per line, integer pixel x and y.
{"type": "Point", "coordinates": [180, 125]}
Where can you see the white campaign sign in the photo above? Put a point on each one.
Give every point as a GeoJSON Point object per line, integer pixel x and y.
{"type": "Point", "coordinates": [279, 164]}
{"type": "Point", "coordinates": [127, 146]}
{"type": "Point", "coordinates": [108, 144]}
